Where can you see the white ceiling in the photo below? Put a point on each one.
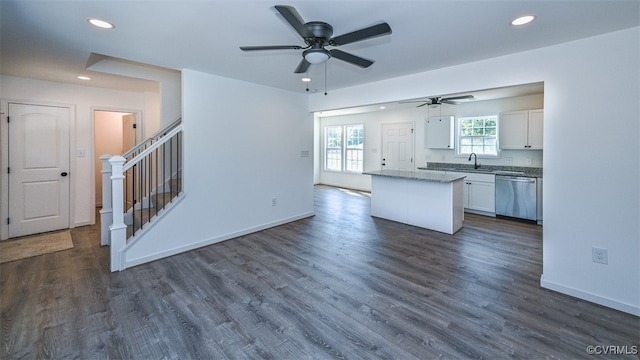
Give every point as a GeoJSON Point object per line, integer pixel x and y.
{"type": "Point", "coordinates": [51, 40]}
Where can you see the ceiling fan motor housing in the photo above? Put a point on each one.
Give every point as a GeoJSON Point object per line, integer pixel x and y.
{"type": "Point", "coordinates": [320, 32]}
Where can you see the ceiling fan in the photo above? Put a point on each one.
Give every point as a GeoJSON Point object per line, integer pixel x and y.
{"type": "Point", "coordinates": [438, 100]}
{"type": "Point", "coordinates": [317, 35]}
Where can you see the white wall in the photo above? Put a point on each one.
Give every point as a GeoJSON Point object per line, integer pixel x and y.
{"type": "Point", "coordinates": [169, 101]}
{"type": "Point", "coordinates": [373, 143]}
{"type": "Point", "coordinates": [242, 147]}
{"type": "Point", "coordinates": [591, 152]}
{"type": "Point", "coordinates": [84, 100]}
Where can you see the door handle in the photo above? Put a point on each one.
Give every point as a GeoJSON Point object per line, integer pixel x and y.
{"type": "Point", "coordinates": [64, 173]}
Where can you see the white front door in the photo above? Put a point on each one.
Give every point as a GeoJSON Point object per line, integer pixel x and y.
{"type": "Point", "coordinates": [38, 169]}
{"type": "Point", "coordinates": [397, 146]}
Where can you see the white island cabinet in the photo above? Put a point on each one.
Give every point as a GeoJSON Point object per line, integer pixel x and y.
{"type": "Point", "coordinates": [431, 201]}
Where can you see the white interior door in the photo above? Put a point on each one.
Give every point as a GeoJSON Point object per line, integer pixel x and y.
{"type": "Point", "coordinates": [38, 169]}
{"type": "Point", "coordinates": [397, 146]}
{"type": "Point", "coordinates": [129, 132]}
{"type": "Point", "coordinates": [129, 137]}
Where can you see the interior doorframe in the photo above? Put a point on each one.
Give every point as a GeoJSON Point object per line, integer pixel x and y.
{"type": "Point", "coordinates": [4, 158]}
{"type": "Point", "coordinates": [139, 137]}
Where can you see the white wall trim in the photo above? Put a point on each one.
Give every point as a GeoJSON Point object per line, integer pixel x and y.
{"type": "Point", "coordinates": [180, 249]}
{"type": "Point", "coordinates": [567, 290]}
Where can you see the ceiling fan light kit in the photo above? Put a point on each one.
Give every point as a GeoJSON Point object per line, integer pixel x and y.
{"type": "Point", "coordinates": [316, 56]}
{"type": "Point", "coordinates": [317, 35]}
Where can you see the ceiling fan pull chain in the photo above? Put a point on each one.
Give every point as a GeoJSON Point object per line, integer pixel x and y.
{"type": "Point", "coordinates": [325, 79]}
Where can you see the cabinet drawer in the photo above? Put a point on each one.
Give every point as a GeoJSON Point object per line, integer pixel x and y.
{"type": "Point", "coordinates": [476, 176]}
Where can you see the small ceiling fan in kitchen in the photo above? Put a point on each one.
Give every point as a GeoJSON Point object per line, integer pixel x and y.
{"type": "Point", "coordinates": [317, 35]}
{"type": "Point", "coordinates": [438, 100]}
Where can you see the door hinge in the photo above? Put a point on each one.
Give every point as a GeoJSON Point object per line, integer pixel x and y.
{"type": "Point", "coordinates": [8, 222]}
{"type": "Point", "coordinates": [8, 170]}
{"type": "Point", "coordinates": [7, 119]}
{"type": "Point", "coordinates": [412, 131]}
{"type": "Point", "coordinates": [135, 126]}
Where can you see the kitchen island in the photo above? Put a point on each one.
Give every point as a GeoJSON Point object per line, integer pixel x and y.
{"type": "Point", "coordinates": [431, 201]}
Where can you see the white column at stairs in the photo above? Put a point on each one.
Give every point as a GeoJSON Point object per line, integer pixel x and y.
{"type": "Point", "coordinates": [118, 229]}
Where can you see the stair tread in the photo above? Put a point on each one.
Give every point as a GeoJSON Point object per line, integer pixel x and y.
{"type": "Point", "coordinates": [141, 217]}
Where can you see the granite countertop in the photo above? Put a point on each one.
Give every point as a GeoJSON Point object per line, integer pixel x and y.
{"type": "Point", "coordinates": [416, 175]}
{"type": "Point", "coordinates": [485, 169]}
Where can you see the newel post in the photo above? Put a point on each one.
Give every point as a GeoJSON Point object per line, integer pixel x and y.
{"type": "Point", "coordinates": [118, 228]}
{"type": "Point", "coordinates": [106, 213]}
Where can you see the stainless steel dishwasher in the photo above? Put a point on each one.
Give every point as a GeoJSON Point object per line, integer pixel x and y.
{"type": "Point", "coordinates": [516, 196]}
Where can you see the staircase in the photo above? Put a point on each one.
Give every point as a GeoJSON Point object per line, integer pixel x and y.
{"type": "Point", "coordinates": [145, 181]}
{"type": "Point", "coordinates": [149, 207]}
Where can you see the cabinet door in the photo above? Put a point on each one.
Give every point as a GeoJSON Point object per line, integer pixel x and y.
{"type": "Point", "coordinates": [439, 133]}
{"type": "Point", "coordinates": [513, 130]}
{"type": "Point", "coordinates": [535, 129]}
{"type": "Point", "coordinates": [481, 196]}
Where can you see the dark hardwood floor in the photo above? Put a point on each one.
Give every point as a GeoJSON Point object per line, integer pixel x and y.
{"type": "Point", "coordinates": [338, 285]}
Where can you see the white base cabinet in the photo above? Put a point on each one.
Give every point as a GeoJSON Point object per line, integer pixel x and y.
{"type": "Point", "coordinates": [539, 200]}
{"type": "Point", "coordinates": [481, 196]}
{"type": "Point", "coordinates": [479, 192]}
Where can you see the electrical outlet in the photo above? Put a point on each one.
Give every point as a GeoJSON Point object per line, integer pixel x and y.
{"type": "Point", "coordinates": [599, 255]}
{"type": "Point", "coordinates": [508, 161]}
{"type": "Point", "coordinates": [528, 161]}
{"type": "Point", "coordinates": [274, 201]}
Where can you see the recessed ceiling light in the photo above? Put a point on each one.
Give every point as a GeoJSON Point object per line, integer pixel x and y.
{"type": "Point", "coordinates": [84, 77]}
{"type": "Point", "coordinates": [382, 107]}
{"type": "Point", "coordinates": [100, 23]}
{"type": "Point", "coordinates": [306, 79]}
{"type": "Point", "coordinates": [523, 20]}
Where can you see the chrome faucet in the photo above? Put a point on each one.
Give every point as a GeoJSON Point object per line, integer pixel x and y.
{"type": "Point", "coordinates": [475, 160]}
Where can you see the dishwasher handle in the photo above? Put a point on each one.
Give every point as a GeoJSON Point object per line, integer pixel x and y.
{"type": "Point", "coordinates": [524, 180]}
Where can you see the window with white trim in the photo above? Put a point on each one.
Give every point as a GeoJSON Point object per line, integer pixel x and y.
{"type": "Point", "coordinates": [344, 148]}
{"type": "Point", "coordinates": [477, 134]}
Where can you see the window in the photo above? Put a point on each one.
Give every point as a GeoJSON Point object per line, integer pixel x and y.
{"type": "Point", "coordinates": [478, 134]}
{"type": "Point", "coordinates": [344, 148]}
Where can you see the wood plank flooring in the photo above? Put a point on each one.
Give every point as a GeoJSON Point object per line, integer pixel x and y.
{"type": "Point", "coordinates": [339, 285]}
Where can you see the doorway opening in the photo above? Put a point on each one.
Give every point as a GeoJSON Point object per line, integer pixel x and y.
{"type": "Point", "coordinates": [115, 133]}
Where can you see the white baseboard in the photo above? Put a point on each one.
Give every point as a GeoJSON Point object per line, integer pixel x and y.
{"type": "Point", "coordinates": [633, 310]}
{"type": "Point", "coordinates": [163, 254]}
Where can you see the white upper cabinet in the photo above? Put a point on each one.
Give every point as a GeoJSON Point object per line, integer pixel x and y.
{"type": "Point", "coordinates": [521, 130]}
{"type": "Point", "coordinates": [536, 120]}
{"type": "Point", "coordinates": [439, 132]}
